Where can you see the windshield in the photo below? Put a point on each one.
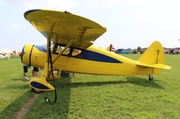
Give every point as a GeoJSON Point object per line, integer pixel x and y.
{"type": "Point", "coordinates": [45, 46]}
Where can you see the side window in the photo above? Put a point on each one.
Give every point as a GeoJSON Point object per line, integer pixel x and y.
{"type": "Point", "coordinates": [58, 49]}
{"type": "Point", "coordinates": [76, 52]}
{"type": "Point", "coordinates": [66, 52]}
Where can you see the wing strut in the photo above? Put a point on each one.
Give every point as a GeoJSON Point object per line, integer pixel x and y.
{"type": "Point", "coordinates": [50, 61]}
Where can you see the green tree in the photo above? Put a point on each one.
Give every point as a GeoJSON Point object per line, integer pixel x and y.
{"type": "Point", "coordinates": [138, 48]}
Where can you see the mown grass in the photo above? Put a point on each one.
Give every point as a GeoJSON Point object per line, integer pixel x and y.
{"type": "Point", "coordinates": [14, 90]}
{"type": "Point", "coordinates": [95, 97]}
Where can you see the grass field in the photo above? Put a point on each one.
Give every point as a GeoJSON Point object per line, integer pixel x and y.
{"type": "Point", "coordinates": [94, 97]}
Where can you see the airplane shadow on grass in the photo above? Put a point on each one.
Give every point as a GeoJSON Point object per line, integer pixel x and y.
{"type": "Point", "coordinates": [39, 109]}
{"type": "Point", "coordinates": [133, 80]}
{"type": "Point", "coordinates": [61, 108]}
{"type": "Point", "coordinates": [12, 108]}
{"type": "Point", "coordinates": [143, 82]}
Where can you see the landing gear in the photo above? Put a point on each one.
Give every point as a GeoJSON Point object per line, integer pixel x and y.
{"type": "Point", "coordinates": [151, 78]}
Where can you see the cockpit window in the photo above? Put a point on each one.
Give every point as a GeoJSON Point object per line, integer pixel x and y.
{"type": "Point", "coordinates": [58, 49]}
{"type": "Point", "coordinates": [76, 52]}
{"type": "Point", "coordinates": [69, 51]}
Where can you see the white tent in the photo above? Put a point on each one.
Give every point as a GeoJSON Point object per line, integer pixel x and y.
{"type": "Point", "coordinates": [5, 53]}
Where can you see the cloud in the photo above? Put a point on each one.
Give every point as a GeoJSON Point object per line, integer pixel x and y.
{"type": "Point", "coordinates": [42, 4]}
{"type": "Point", "coordinates": [111, 3]}
{"type": "Point", "coordinates": [15, 26]}
{"type": "Point", "coordinates": [97, 3]}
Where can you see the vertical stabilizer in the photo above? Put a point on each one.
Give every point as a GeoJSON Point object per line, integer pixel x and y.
{"type": "Point", "coordinates": [153, 58]}
{"type": "Point", "coordinates": [153, 55]}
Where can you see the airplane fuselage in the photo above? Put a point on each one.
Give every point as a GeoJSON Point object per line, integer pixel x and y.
{"type": "Point", "coordinates": [92, 60]}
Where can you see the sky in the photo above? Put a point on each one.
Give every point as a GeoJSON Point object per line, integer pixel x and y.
{"type": "Point", "coordinates": [129, 23]}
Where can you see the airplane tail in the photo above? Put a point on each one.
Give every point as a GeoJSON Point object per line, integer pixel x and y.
{"type": "Point", "coordinates": [153, 57]}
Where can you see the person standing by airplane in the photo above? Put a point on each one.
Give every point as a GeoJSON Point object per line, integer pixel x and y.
{"type": "Point", "coordinates": [111, 48]}
{"type": "Point", "coordinates": [25, 70]}
{"type": "Point", "coordinates": [35, 71]}
{"type": "Point", "coordinates": [74, 75]}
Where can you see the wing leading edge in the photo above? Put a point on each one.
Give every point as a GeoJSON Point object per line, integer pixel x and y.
{"type": "Point", "coordinates": [64, 26]}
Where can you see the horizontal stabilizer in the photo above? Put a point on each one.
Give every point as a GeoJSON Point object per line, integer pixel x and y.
{"type": "Point", "coordinates": [159, 66]}
{"type": "Point", "coordinates": [153, 58]}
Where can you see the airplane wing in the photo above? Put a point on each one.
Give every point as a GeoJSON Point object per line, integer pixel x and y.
{"type": "Point", "coordinates": [65, 26]}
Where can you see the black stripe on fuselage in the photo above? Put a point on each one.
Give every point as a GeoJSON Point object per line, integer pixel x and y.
{"type": "Point", "coordinates": [89, 55]}
{"type": "Point", "coordinates": [30, 55]}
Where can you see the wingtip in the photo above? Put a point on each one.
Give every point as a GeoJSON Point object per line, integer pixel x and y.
{"type": "Point", "coordinates": [29, 11]}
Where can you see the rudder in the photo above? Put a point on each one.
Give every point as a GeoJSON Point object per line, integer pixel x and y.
{"type": "Point", "coordinates": [153, 58]}
{"type": "Point", "coordinates": [153, 55]}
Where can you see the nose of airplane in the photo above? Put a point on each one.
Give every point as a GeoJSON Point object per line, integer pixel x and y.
{"type": "Point", "coordinates": [26, 54]}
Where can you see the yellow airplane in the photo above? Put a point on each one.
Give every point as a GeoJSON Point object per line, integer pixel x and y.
{"type": "Point", "coordinates": [69, 48]}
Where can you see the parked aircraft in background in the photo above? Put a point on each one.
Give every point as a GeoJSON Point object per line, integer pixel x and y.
{"type": "Point", "coordinates": [123, 51]}
{"type": "Point", "coordinates": [5, 53]}
{"type": "Point", "coordinates": [69, 48]}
